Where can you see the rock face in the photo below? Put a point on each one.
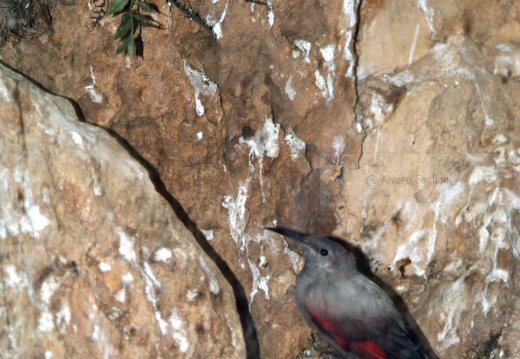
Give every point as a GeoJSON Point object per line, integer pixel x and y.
{"type": "Point", "coordinates": [95, 263]}
{"type": "Point", "coordinates": [392, 124]}
{"type": "Point", "coordinates": [435, 203]}
{"type": "Point", "coordinates": [225, 122]}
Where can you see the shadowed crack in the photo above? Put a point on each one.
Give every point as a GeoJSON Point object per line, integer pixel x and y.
{"type": "Point", "coordinates": [242, 306]}
{"type": "Point", "coordinates": [357, 117]}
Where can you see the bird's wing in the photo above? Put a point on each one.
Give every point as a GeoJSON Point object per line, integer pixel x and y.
{"type": "Point", "coordinates": [365, 321]}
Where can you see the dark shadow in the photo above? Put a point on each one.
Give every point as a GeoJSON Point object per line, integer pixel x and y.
{"type": "Point", "coordinates": [248, 326]}
{"type": "Point", "coordinates": [139, 44]}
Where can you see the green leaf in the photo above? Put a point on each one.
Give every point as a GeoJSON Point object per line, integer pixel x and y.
{"type": "Point", "coordinates": [146, 21]}
{"type": "Point", "coordinates": [140, 17]}
{"type": "Point", "coordinates": [145, 6]}
{"type": "Point", "coordinates": [124, 43]}
{"type": "Point", "coordinates": [126, 23]}
{"type": "Point", "coordinates": [131, 48]}
{"type": "Point", "coordinates": [149, 24]}
{"type": "Point", "coordinates": [116, 6]}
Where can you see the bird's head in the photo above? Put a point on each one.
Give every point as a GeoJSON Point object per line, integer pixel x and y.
{"type": "Point", "coordinates": [320, 252]}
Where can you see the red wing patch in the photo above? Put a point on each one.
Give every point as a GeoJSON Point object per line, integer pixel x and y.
{"type": "Point", "coordinates": [371, 348]}
{"type": "Point", "coordinates": [342, 343]}
{"type": "Point", "coordinates": [322, 321]}
{"type": "Point", "coordinates": [328, 324]}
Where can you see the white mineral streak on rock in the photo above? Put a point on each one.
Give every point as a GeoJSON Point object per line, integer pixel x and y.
{"type": "Point", "coordinates": [202, 84]}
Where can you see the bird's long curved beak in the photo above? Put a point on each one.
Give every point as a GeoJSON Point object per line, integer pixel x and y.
{"type": "Point", "coordinates": [299, 237]}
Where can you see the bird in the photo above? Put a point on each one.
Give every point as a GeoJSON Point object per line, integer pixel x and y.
{"type": "Point", "coordinates": [351, 312]}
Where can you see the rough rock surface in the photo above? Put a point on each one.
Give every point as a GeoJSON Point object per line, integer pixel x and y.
{"type": "Point", "coordinates": [94, 262]}
{"type": "Point", "coordinates": [393, 122]}
{"type": "Point", "coordinates": [435, 202]}
{"type": "Point", "coordinates": [224, 121]}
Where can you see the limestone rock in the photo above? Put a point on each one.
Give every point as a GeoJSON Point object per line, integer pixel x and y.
{"type": "Point", "coordinates": [95, 263]}
{"type": "Point", "coordinates": [435, 203]}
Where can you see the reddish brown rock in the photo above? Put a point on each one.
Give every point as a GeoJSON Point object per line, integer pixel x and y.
{"type": "Point", "coordinates": [94, 261]}
{"type": "Point", "coordinates": [225, 121]}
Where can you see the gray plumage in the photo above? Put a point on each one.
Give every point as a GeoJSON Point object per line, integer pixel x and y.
{"type": "Point", "coordinates": [350, 311]}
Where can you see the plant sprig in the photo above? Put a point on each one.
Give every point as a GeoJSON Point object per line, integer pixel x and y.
{"type": "Point", "coordinates": [193, 15]}
{"type": "Point", "coordinates": [131, 20]}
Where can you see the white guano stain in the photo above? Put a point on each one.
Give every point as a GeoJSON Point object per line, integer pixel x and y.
{"type": "Point", "coordinates": [153, 282]}
{"type": "Point", "coordinates": [202, 84]}
{"type": "Point", "coordinates": [321, 84]}
{"type": "Point", "coordinates": [289, 90]}
{"type": "Point", "coordinates": [217, 29]}
{"type": "Point", "coordinates": [293, 256]}
{"type": "Point", "coordinates": [63, 317]}
{"type": "Point", "coordinates": [208, 233]}
{"type": "Point", "coordinates": [120, 295]}
{"type": "Point", "coordinates": [507, 61]}
{"type": "Point", "coordinates": [448, 195]}
{"type": "Point", "coordinates": [126, 246]}
{"type": "Point", "coordinates": [499, 139]}
{"type": "Point", "coordinates": [178, 332]}
{"type": "Point", "coordinates": [305, 48]}
{"type": "Point", "coordinates": [414, 43]}
{"type": "Point", "coordinates": [252, 9]}
{"type": "Point", "coordinates": [338, 144]}
{"type": "Point", "coordinates": [453, 303]}
{"type": "Point", "coordinates": [483, 173]}
{"type": "Point", "coordinates": [191, 294]}
{"type": "Point", "coordinates": [264, 143]}
{"type": "Point", "coordinates": [163, 255]}
{"type": "Point", "coordinates": [270, 13]}
{"type": "Point", "coordinates": [13, 220]}
{"type": "Point", "coordinates": [127, 279]}
{"type": "Point", "coordinates": [12, 279]}
{"type": "Point", "coordinates": [428, 13]}
{"type": "Point", "coordinates": [114, 314]}
{"type": "Point", "coordinates": [259, 282]}
{"type": "Point", "coordinates": [236, 207]}
{"type": "Point", "coordinates": [76, 138]}
{"type": "Point", "coordinates": [421, 255]}
{"type": "Point", "coordinates": [380, 108]}
{"type": "Point", "coordinates": [98, 335]}
{"type": "Point", "coordinates": [350, 11]}
{"type": "Point", "coordinates": [91, 89]}
{"type": "Point", "coordinates": [270, 134]}
{"type": "Point", "coordinates": [104, 267]}
{"type": "Point", "coordinates": [295, 144]}
{"type": "Point", "coordinates": [198, 104]}
{"type": "Point", "coordinates": [327, 53]}
{"type": "Point", "coordinates": [48, 288]}
{"type": "Point", "coordinates": [163, 325]}
{"type": "Point", "coordinates": [36, 222]}
{"type": "Point", "coordinates": [214, 287]}
{"type": "Point", "coordinates": [127, 251]}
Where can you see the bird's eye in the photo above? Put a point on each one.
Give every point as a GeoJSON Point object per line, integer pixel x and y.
{"type": "Point", "coordinates": [324, 252]}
